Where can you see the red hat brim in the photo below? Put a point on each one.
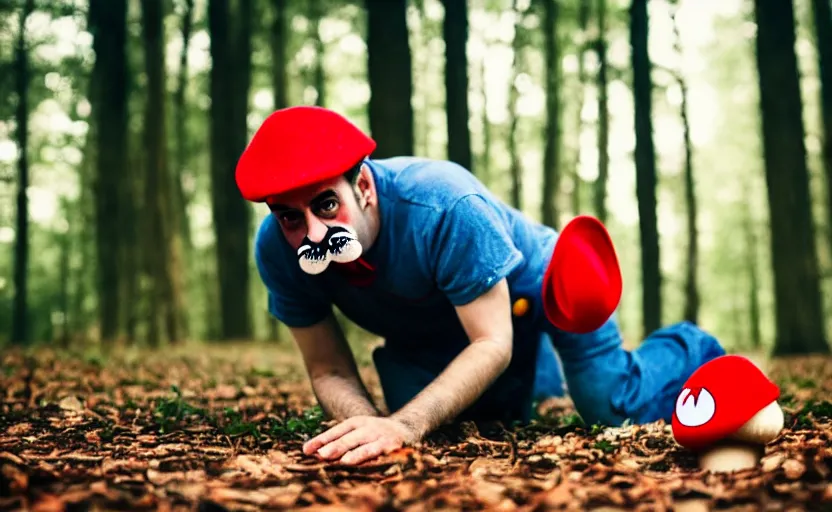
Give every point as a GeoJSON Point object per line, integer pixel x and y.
{"type": "Point", "coordinates": [582, 285]}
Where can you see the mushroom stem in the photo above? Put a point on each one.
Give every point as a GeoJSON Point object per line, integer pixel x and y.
{"type": "Point", "coordinates": [730, 456]}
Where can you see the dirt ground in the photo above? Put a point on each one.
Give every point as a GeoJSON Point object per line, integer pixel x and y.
{"type": "Point", "coordinates": [220, 428]}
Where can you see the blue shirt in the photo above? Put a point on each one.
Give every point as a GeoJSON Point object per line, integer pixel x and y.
{"type": "Point", "coordinates": [444, 240]}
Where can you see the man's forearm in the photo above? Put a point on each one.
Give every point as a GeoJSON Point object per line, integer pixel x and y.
{"type": "Point", "coordinates": [343, 397]}
{"type": "Point", "coordinates": [457, 387]}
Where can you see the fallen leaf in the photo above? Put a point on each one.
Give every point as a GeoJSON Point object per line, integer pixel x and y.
{"type": "Point", "coordinates": [793, 469]}
{"type": "Point", "coordinates": [72, 404]}
{"type": "Point", "coordinates": [48, 503]}
{"type": "Point", "coordinates": [772, 462]}
{"type": "Point", "coordinates": [19, 429]}
{"type": "Point", "coordinates": [489, 466]}
{"type": "Point", "coordinates": [16, 480]}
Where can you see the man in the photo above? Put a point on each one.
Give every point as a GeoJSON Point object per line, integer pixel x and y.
{"type": "Point", "coordinates": [478, 305]}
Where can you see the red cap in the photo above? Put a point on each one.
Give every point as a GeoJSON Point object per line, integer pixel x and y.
{"type": "Point", "coordinates": [582, 285]}
{"type": "Point", "coordinates": [299, 146]}
{"type": "Point", "coordinates": [718, 399]}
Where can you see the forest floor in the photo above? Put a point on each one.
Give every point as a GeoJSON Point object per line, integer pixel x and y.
{"type": "Point", "coordinates": [220, 428]}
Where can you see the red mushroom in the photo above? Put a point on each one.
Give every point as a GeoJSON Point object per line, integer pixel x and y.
{"type": "Point", "coordinates": [727, 412]}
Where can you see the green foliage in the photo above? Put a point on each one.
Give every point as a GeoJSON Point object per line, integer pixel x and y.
{"type": "Point", "coordinates": [814, 410]}
{"type": "Point", "coordinates": [235, 426]}
{"type": "Point", "coordinates": [175, 412]}
{"type": "Point", "coordinates": [171, 412]}
{"type": "Point", "coordinates": [303, 426]}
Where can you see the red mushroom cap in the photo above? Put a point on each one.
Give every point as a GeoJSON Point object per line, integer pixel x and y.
{"type": "Point", "coordinates": [718, 399]}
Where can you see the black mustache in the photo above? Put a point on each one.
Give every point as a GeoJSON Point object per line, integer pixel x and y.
{"type": "Point", "coordinates": [317, 251]}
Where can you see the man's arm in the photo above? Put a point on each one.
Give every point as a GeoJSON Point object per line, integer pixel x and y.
{"type": "Point", "coordinates": [487, 322]}
{"type": "Point", "coordinates": [332, 370]}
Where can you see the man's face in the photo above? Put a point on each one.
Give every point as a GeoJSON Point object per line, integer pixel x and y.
{"type": "Point", "coordinates": [324, 222]}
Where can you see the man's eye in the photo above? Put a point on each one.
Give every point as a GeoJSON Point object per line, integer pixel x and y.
{"type": "Point", "coordinates": [289, 218]}
{"type": "Point", "coordinates": [329, 205]}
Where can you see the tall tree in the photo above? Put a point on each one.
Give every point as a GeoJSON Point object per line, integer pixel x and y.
{"type": "Point", "coordinates": [484, 167]}
{"type": "Point", "coordinates": [645, 160]}
{"type": "Point", "coordinates": [20, 316]}
{"type": "Point", "coordinates": [583, 48]}
{"type": "Point", "coordinates": [691, 312]}
{"type": "Point", "coordinates": [600, 195]}
{"type": "Point", "coordinates": [823, 37]}
{"type": "Point", "coordinates": [798, 311]}
{"type": "Point", "coordinates": [108, 24]}
{"type": "Point", "coordinates": [280, 84]}
{"type": "Point", "coordinates": [230, 83]}
{"type": "Point", "coordinates": [390, 76]}
{"type": "Point", "coordinates": [750, 230]}
{"type": "Point", "coordinates": [318, 72]}
{"type": "Point", "coordinates": [551, 146]}
{"type": "Point", "coordinates": [516, 66]}
{"type": "Point", "coordinates": [455, 32]}
{"type": "Point", "coordinates": [278, 50]}
{"type": "Point", "coordinates": [162, 262]}
{"type": "Point", "coordinates": [180, 115]}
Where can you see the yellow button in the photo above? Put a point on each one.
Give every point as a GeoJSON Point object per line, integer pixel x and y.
{"type": "Point", "coordinates": [520, 307]}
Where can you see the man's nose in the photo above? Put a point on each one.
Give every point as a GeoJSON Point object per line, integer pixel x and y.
{"type": "Point", "coordinates": [317, 229]}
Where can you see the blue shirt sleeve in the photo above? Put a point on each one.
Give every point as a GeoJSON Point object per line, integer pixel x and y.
{"type": "Point", "coordinates": [471, 250]}
{"type": "Point", "coordinates": [291, 298]}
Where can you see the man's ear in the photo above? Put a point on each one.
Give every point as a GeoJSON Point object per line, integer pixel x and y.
{"type": "Point", "coordinates": [365, 188]}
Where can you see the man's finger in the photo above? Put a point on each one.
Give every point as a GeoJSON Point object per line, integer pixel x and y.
{"type": "Point", "coordinates": [315, 444]}
{"type": "Point", "coordinates": [368, 451]}
{"type": "Point", "coordinates": [347, 442]}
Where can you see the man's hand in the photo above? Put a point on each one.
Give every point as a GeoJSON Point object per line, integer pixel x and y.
{"type": "Point", "coordinates": [361, 438]}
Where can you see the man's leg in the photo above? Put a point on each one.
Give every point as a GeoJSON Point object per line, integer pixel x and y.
{"type": "Point", "coordinates": [609, 384]}
{"type": "Point", "coordinates": [548, 378]}
{"type": "Point", "coordinates": [400, 380]}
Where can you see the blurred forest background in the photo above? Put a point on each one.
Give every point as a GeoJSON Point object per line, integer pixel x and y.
{"type": "Point", "coordinates": [700, 131]}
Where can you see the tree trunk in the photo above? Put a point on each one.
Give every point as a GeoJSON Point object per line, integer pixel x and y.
{"type": "Point", "coordinates": [318, 72]}
{"type": "Point", "coordinates": [455, 32]}
{"type": "Point", "coordinates": [551, 149]}
{"type": "Point", "coordinates": [823, 33]}
{"type": "Point", "coordinates": [181, 113]}
{"type": "Point", "coordinates": [84, 214]}
{"type": "Point", "coordinates": [583, 25]}
{"type": "Point", "coordinates": [484, 170]}
{"type": "Point", "coordinates": [691, 312]}
{"type": "Point", "coordinates": [280, 88]}
{"type": "Point", "coordinates": [603, 116]}
{"type": "Point", "coordinates": [109, 28]}
{"type": "Point", "coordinates": [65, 239]}
{"type": "Point", "coordinates": [645, 160]}
{"type": "Point", "coordinates": [131, 243]}
{"type": "Point", "coordinates": [390, 77]}
{"type": "Point", "coordinates": [691, 281]}
{"type": "Point", "coordinates": [278, 50]}
{"type": "Point", "coordinates": [753, 273]}
{"type": "Point", "coordinates": [20, 316]}
{"type": "Point", "coordinates": [424, 76]}
{"type": "Point", "coordinates": [798, 311]}
{"type": "Point", "coordinates": [230, 82]}
{"type": "Point", "coordinates": [164, 267]}
{"type": "Point", "coordinates": [514, 158]}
